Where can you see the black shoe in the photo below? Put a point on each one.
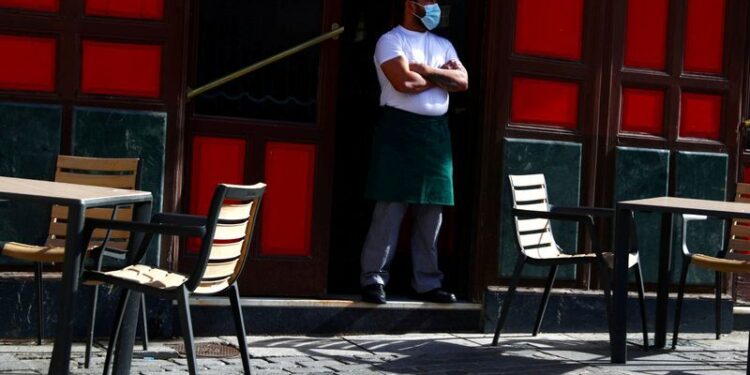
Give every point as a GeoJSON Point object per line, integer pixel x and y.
{"type": "Point", "coordinates": [373, 293]}
{"type": "Point", "coordinates": [436, 295]}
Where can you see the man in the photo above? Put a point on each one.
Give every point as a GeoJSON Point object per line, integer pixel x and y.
{"type": "Point", "coordinates": [411, 162]}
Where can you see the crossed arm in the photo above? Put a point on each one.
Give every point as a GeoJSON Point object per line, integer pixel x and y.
{"type": "Point", "coordinates": [413, 78]}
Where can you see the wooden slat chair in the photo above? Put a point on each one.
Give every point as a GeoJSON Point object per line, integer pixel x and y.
{"type": "Point", "coordinates": [532, 213]}
{"type": "Point", "coordinates": [226, 234]}
{"type": "Point", "coordinates": [122, 173]}
{"type": "Point", "coordinates": [734, 258]}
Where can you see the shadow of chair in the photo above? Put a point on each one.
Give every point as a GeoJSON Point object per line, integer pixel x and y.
{"type": "Point", "coordinates": [122, 173]}
{"type": "Point", "coordinates": [225, 234]}
{"type": "Point", "coordinates": [532, 214]}
{"type": "Point", "coordinates": [735, 257]}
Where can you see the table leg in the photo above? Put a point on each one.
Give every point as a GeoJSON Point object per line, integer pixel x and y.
{"type": "Point", "coordinates": [665, 276]}
{"type": "Point", "coordinates": [126, 340]}
{"type": "Point", "coordinates": [60, 364]}
{"type": "Point", "coordinates": [618, 331]}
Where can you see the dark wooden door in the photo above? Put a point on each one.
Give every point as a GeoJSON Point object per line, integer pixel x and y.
{"type": "Point", "coordinates": [274, 125]}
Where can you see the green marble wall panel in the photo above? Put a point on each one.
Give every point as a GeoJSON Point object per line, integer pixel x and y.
{"type": "Point", "coordinates": [29, 144]}
{"type": "Point", "coordinates": [117, 133]}
{"type": "Point", "coordinates": [643, 173]}
{"type": "Point", "coordinates": [699, 175]}
{"type": "Point", "coordinates": [560, 162]}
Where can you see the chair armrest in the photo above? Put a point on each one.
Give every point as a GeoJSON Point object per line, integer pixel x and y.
{"type": "Point", "coordinates": [148, 229]}
{"type": "Point", "coordinates": [179, 219]}
{"type": "Point", "coordinates": [152, 228]}
{"type": "Point", "coordinates": [591, 211]}
{"type": "Point", "coordinates": [567, 216]}
{"type": "Point", "coordinates": [686, 218]}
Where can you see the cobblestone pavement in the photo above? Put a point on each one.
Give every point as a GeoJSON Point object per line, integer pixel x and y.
{"type": "Point", "coordinates": [417, 353]}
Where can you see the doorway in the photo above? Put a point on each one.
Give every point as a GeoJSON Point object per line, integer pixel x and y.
{"type": "Point", "coordinates": [357, 111]}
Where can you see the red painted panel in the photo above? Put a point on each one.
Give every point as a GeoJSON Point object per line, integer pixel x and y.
{"type": "Point", "coordinates": [121, 69]}
{"type": "Point", "coordinates": [646, 34]}
{"type": "Point", "coordinates": [144, 9]}
{"type": "Point", "coordinates": [288, 200]}
{"type": "Point", "coordinates": [38, 5]}
{"type": "Point", "coordinates": [746, 174]}
{"type": "Point", "coordinates": [214, 161]}
{"type": "Point", "coordinates": [27, 63]}
{"type": "Point", "coordinates": [700, 116]}
{"type": "Point", "coordinates": [545, 102]}
{"type": "Point", "coordinates": [642, 111]}
{"type": "Point", "coordinates": [704, 36]}
{"type": "Point", "coordinates": [549, 28]}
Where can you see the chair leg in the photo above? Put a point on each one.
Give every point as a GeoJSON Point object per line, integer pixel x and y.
{"type": "Point", "coordinates": [606, 282]}
{"type": "Point", "coordinates": [642, 302]}
{"type": "Point", "coordinates": [508, 298]}
{"type": "Point", "coordinates": [39, 302]}
{"type": "Point", "coordinates": [718, 304]}
{"type": "Point", "coordinates": [234, 299]}
{"type": "Point", "coordinates": [545, 299]}
{"type": "Point", "coordinates": [680, 294]}
{"type": "Point", "coordinates": [115, 333]}
{"type": "Point", "coordinates": [187, 329]}
{"type": "Point", "coordinates": [92, 321]}
{"type": "Point", "coordinates": [92, 324]}
{"type": "Point", "coordinates": [144, 322]}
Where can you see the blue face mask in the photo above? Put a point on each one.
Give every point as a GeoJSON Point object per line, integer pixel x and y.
{"type": "Point", "coordinates": [431, 17]}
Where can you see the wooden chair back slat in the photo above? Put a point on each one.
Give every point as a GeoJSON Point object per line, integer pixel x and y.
{"type": "Point", "coordinates": [534, 236]}
{"type": "Point", "coordinates": [230, 231]}
{"type": "Point", "coordinates": [226, 251]}
{"type": "Point", "coordinates": [532, 225]}
{"type": "Point", "coordinates": [97, 164]}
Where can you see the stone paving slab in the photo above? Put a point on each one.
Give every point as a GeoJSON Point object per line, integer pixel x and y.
{"type": "Point", "coordinates": [580, 353]}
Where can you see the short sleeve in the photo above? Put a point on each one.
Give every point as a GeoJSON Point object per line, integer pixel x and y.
{"type": "Point", "coordinates": [387, 48]}
{"type": "Point", "coordinates": [450, 53]}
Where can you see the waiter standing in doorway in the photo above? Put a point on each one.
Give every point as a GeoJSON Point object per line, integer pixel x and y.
{"type": "Point", "coordinates": [411, 162]}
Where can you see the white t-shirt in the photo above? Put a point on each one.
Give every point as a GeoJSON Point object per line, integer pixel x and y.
{"type": "Point", "coordinates": [414, 46]}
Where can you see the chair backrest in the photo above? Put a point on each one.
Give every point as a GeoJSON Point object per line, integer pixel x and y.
{"type": "Point", "coordinates": [122, 173]}
{"type": "Point", "coordinates": [739, 234]}
{"type": "Point", "coordinates": [534, 236]}
{"type": "Point", "coordinates": [226, 244]}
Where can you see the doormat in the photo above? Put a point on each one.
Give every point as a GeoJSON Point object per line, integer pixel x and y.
{"type": "Point", "coordinates": [209, 350]}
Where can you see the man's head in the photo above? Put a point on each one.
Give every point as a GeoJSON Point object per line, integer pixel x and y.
{"type": "Point", "coordinates": [421, 14]}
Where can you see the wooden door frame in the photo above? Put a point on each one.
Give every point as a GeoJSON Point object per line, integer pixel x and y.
{"type": "Point", "coordinates": [263, 131]}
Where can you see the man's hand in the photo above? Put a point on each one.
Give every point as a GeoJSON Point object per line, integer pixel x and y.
{"type": "Point", "coordinates": [451, 76]}
{"type": "Point", "coordinates": [452, 64]}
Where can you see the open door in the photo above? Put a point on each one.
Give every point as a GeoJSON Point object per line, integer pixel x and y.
{"type": "Point", "coordinates": [274, 125]}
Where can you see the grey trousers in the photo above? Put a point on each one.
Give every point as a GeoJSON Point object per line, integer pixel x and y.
{"type": "Point", "coordinates": [380, 245]}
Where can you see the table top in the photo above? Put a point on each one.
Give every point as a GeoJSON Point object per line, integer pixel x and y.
{"type": "Point", "coordinates": [68, 194]}
{"type": "Point", "coordinates": [689, 205]}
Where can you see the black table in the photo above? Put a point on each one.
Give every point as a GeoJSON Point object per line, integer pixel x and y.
{"type": "Point", "coordinates": [78, 198]}
{"type": "Point", "coordinates": [667, 206]}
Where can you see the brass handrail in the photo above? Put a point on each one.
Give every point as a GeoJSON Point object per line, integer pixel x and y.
{"type": "Point", "coordinates": [260, 64]}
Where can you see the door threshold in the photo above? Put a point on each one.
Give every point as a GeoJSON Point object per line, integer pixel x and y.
{"type": "Point", "coordinates": [340, 302]}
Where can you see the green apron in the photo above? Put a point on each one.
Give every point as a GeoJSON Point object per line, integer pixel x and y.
{"type": "Point", "coordinates": [411, 159]}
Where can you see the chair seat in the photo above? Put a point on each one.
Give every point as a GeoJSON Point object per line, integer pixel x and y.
{"type": "Point", "coordinates": [140, 274]}
{"type": "Point", "coordinates": [34, 253]}
{"type": "Point", "coordinates": [721, 264]}
{"type": "Point", "coordinates": [610, 259]}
